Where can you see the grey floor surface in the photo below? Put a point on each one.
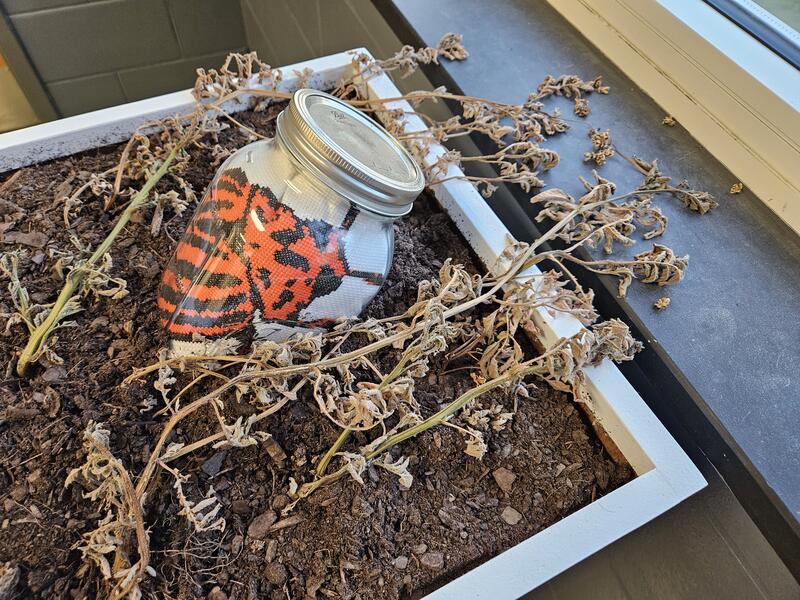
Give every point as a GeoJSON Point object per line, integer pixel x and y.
{"type": "Point", "coordinates": [705, 548]}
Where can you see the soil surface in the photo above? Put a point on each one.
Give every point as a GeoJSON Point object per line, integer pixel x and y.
{"type": "Point", "coordinates": [349, 540]}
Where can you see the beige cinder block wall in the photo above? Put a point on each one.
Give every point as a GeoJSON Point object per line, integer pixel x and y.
{"type": "Point", "coordinates": [15, 110]}
{"type": "Point", "coordinates": [288, 31]}
{"type": "Point", "coordinates": [89, 55]}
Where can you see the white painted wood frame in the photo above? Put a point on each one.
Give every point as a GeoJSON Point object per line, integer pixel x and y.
{"type": "Point", "coordinates": [737, 97]}
{"type": "Point", "coordinates": [665, 475]}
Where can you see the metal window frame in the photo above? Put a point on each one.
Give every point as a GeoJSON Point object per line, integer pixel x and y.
{"type": "Point", "coordinates": [759, 22]}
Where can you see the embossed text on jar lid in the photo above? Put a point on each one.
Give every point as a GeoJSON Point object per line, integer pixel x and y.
{"type": "Point", "coordinates": [350, 152]}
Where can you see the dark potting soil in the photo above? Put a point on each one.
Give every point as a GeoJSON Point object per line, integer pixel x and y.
{"type": "Point", "coordinates": [349, 540]}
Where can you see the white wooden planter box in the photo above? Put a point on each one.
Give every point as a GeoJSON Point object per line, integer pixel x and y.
{"type": "Point", "coordinates": [664, 474]}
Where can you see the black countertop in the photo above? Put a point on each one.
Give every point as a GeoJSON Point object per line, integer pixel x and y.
{"type": "Point", "coordinates": [722, 361]}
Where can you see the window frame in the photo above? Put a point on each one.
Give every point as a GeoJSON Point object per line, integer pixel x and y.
{"type": "Point", "coordinates": [735, 95]}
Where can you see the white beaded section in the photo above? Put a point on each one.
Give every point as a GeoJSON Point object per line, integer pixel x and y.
{"type": "Point", "coordinates": [367, 246]}
{"type": "Point", "coordinates": [277, 332]}
{"type": "Point", "coordinates": [314, 202]}
{"type": "Point", "coordinates": [347, 301]}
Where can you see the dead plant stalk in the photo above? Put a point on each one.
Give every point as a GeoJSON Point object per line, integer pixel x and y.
{"type": "Point", "coordinates": [75, 278]}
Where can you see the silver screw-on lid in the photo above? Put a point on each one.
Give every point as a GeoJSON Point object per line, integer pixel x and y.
{"type": "Point", "coordinates": [349, 152]}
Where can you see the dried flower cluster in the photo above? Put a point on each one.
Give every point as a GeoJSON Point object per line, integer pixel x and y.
{"type": "Point", "coordinates": [655, 181]}
{"type": "Point", "coordinates": [608, 220]}
{"type": "Point", "coordinates": [237, 74]}
{"type": "Point", "coordinates": [602, 149]}
{"type": "Point", "coordinates": [571, 86]}
{"type": "Point", "coordinates": [406, 61]}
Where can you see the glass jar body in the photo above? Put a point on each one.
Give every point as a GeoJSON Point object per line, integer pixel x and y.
{"type": "Point", "coordinates": [271, 251]}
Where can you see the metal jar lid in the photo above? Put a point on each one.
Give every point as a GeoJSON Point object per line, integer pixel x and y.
{"type": "Point", "coordinates": [350, 153]}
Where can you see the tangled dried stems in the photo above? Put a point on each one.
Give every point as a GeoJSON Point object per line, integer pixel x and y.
{"type": "Point", "coordinates": [157, 149]}
{"type": "Point", "coordinates": [91, 274]}
{"type": "Point", "coordinates": [441, 321]}
{"type": "Point", "coordinates": [123, 526]}
{"type": "Point", "coordinates": [457, 315]}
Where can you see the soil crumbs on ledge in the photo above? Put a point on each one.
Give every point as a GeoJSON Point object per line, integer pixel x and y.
{"type": "Point", "coordinates": [350, 541]}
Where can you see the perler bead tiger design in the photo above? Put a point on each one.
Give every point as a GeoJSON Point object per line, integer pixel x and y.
{"type": "Point", "coordinates": [247, 259]}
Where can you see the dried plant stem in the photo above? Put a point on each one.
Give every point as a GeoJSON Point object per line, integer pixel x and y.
{"type": "Point", "coordinates": [323, 464]}
{"type": "Point", "coordinates": [407, 357]}
{"type": "Point", "coordinates": [135, 508]}
{"type": "Point", "coordinates": [476, 178]}
{"type": "Point", "coordinates": [515, 372]}
{"type": "Point", "coordinates": [254, 92]}
{"type": "Point", "coordinates": [211, 439]}
{"type": "Point", "coordinates": [249, 130]}
{"type": "Point", "coordinates": [518, 371]}
{"type": "Point", "coordinates": [423, 95]}
{"type": "Point", "coordinates": [75, 278]}
{"type": "Point", "coordinates": [633, 163]}
{"type": "Point", "coordinates": [179, 415]}
{"type": "Point", "coordinates": [139, 373]}
{"type": "Point", "coordinates": [220, 434]}
{"type": "Point", "coordinates": [10, 181]}
{"type": "Point", "coordinates": [123, 159]}
{"type": "Point", "coordinates": [591, 264]}
{"type": "Point", "coordinates": [205, 373]}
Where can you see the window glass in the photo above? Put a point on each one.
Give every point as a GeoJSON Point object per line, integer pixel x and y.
{"type": "Point", "coordinates": [787, 11]}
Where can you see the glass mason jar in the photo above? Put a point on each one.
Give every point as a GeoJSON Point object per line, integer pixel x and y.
{"type": "Point", "coordinates": [294, 232]}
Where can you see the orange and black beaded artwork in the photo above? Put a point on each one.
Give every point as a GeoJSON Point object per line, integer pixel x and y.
{"type": "Point", "coordinates": [247, 259]}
